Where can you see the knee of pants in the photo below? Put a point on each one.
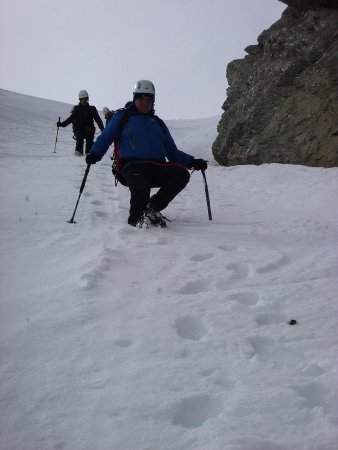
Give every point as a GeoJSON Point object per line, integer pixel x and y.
{"type": "Point", "coordinates": [90, 136]}
{"type": "Point", "coordinates": [183, 177]}
{"type": "Point", "coordinates": [137, 182]}
{"type": "Point", "coordinates": [79, 144]}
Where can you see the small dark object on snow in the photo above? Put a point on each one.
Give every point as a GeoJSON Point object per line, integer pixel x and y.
{"type": "Point", "coordinates": [292, 322]}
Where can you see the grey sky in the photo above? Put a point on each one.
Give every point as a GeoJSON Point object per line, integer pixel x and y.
{"type": "Point", "coordinates": [52, 49]}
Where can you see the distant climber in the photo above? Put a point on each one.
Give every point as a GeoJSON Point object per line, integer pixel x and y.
{"type": "Point", "coordinates": [82, 117]}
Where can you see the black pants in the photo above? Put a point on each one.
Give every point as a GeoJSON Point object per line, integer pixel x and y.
{"type": "Point", "coordinates": [171, 179]}
{"type": "Point", "coordinates": [80, 136]}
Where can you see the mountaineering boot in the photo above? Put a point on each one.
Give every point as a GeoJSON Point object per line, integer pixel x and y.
{"type": "Point", "coordinates": [154, 217]}
{"type": "Point", "coordinates": [136, 223]}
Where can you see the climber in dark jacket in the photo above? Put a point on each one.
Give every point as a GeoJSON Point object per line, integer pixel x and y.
{"type": "Point", "coordinates": [82, 117]}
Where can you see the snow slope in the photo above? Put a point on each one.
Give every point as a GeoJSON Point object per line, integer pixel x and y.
{"type": "Point", "coordinates": [115, 338]}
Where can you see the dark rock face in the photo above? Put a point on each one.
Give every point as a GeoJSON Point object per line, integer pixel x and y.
{"type": "Point", "coordinates": [303, 5]}
{"type": "Point", "coordinates": [282, 100]}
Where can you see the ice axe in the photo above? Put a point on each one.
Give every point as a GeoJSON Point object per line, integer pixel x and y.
{"type": "Point", "coordinates": [81, 189]}
{"type": "Point", "coordinates": [207, 194]}
{"type": "Point", "coordinates": [56, 139]}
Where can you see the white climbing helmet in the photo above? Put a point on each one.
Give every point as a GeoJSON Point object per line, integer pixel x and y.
{"type": "Point", "coordinates": [144, 87]}
{"type": "Point", "coordinates": [83, 94]}
{"type": "Point", "coordinates": [105, 110]}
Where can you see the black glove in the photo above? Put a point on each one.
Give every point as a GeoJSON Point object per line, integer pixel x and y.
{"type": "Point", "coordinates": [59, 124]}
{"type": "Point", "coordinates": [92, 158]}
{"type": "Point", "coordinates": [199, 164]}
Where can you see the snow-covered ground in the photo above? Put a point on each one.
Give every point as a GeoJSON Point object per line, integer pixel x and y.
{"type": "Point", "coordinates": [115, 338]}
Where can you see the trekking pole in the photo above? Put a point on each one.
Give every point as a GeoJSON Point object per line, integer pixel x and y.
{"type": "Point", "coordinates": [207, 194]}
{"type": "Point", "coordinates": [56, 139]}
{"type": "Point", "coordinates": [81, 189]}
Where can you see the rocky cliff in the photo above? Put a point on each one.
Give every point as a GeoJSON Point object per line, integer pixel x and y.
{"type": "Point", "coordinates": [282, 100]}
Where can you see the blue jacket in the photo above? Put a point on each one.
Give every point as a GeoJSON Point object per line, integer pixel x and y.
{"type": "Point", "coordinates": [142, 138]}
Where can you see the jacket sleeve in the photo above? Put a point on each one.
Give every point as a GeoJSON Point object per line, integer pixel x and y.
{"type": "Point", "coordinates": [173, 153]}
{"type": "Point", "coordinates": [97, 118]}
{"type": "Point", "coordinates": [108, 135]}
{"type": "Point", "coordinates": [69, 119]}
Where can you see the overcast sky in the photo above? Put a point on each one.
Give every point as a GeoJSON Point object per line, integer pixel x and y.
{"type": "Point", "coordinates": [52, 49]}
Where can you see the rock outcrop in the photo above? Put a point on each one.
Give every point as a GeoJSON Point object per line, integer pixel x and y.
{"type": "Point", "coordinates": [282, 100]}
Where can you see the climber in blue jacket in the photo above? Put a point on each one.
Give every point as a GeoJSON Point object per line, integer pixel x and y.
{"type": "Point", "coordinates": [149, 154]}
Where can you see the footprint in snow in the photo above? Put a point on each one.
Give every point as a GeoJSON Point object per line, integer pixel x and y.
{"type": "Point", "coordinates": [190, 327]}
{"type": "Point", "coordinates": [90, 279]}
{"type": "Point", "coordinates": [96, 384]}
{"type": "Point", "coordinates": [239, 270]}
{"type": "Point", "coordinates": [101, 213]}
{"type": "Point", "coordinates": [222, 381]}
{"type": "Point", "coordinates": [318, 395]}
{"type": "Point", "coordinates": [270, 319]}
{"type": "Point", "coordinates": [267, 348]}
{"type": "Point", "coordinates": [194, 287]}
{"type": "Point", "coordinates": [123, 342]}
{"type": "Point", "coordinates": [60, 445]}
{"type": "Point", "coordinates": [254, 443]}
{"type": "Point", "coordinates": [97, 202]}
{"type": "Point", "coordinates": [313, 370]}
{"type": "Point", "coordinates": [192, 412]}
{"type": "Point", "coordinates": [245, 298]}
{"type": "Point", "coordinates": [273, 265]}
{"type": "Point", "coordinates": [162, 240]}
{"type": "Point", "coordinates": [207, 372]}
{"type": "Point", "coordinates": [227, 248]}
{"type": "Point", "coordinates": [200, 257]}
